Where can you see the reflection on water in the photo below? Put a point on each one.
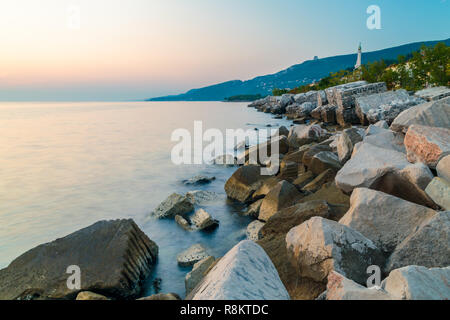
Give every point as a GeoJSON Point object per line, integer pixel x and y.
{"type": "Point", "coordinates": [64, 166]}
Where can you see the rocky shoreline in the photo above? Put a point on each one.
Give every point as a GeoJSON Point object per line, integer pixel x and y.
{"type": "Point", "coordinates": [363, 186]}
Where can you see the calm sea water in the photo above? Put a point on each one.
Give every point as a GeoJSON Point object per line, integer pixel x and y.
{"type": "Point", "coordinates": [64, 166]}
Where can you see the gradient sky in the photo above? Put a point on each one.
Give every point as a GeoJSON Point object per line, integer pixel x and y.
{"type": "Point", "coordinates": [136, 49]}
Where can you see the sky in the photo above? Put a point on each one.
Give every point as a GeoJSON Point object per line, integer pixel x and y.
{"type": "Point", "coordinates": [116, 50]}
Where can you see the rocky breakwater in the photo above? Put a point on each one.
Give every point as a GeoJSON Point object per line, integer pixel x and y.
{"type": "Point", "coordinates": [359, 196]}
{"type": "Point", "coordinates": [113, 257]}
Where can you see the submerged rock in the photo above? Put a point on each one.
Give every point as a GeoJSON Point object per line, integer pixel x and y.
{"type": "Point", "coordinates": [202, 220]}
{"type": "Point", "coordinates": [244, 273]}
{"type": "Point", "coordinates": [202, 197]}
{"type": "Point", "coordinates": [199, 180]}
{"type": "Point", "coordinates": [114, 258]}
{"type": "Point", "coordinates": [192, 255]}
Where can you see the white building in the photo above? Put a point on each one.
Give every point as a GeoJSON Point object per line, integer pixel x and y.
{"type": "Point", "coordinates": [358, 60]}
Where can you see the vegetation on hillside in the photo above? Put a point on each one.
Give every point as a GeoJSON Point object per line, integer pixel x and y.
{"type": "Point", "coordinates": [430, 66]}
{"type": "Point", "coordinates": [243, 98]}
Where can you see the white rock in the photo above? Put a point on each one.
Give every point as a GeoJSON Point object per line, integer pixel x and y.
{"type": "Point", "coordinates": [192, 255]}
{"type": "Point", "coordinates": [244, 273]}
{"type": "Point", "coordinates": [439, 191]}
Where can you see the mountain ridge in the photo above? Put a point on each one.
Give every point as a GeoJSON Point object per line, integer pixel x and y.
{"type": "Point", "coordinates": [300, 74]}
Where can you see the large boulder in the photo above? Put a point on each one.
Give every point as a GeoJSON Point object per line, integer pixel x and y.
{"type": "Point", "coordinates": [341, 288]}
{"type": "Point", "coordinates": [175, 204]}
{"type": "Point", "coordinates": [439, 191]}
{"type": "Point", "coordinates": [384, 219]}
{"type": "Point", "coordinates": [244, 182]}
{"type": "Point", "coordinates": [281, 196]}
{"type": "Point", "coordinates": [202, 197]}
{"type": "Point", "coordinates": [384, 106]}
{"type": "Point", "coordinates": [443, 168]}
{"type": "Point", "coordinates": [346, 141]}
{"type": "Point", "coordinates": [427, 144]}
{"type": "Point", "coordinates": [427, 246]}
{"type": "Point", "coordinates": [244, 273]}
{"type": "Point", "coordinates": [320, 246]}
{"type": "Point", "coordinates": [418, 283]}
{"type": "Point", "coordinates": [262, 152]}
{"type": "Point", "coordinates": [304, 134]}
{"type": "Point", "coordinates": [114, 258]}
{"type": "Point", "coordinates": [199, 270]}
{"type": "Point", "coordinates": [432, 114]}
{"type": "Point", "coordinates": [273, 235]}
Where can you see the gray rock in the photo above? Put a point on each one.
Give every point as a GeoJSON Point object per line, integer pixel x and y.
{"type": "Point", "coordinates": [346, 141]}
{"type": "Point", "coordinates": [114, 258]}
{"type": "Point", "coordinates": [253, 228]}
{"type": "Point", "coordinates": [418, 283]}
{"type": "Point", "coordinates": [304, 134]}
{"type": "Point", "coordinates": [192, 255]}
{"type": "Point", "coordinates": [384, 219]}
{"type": "Point", "coordinates": [433, 94]}
{"type": "Point", "coordinates": [443, 168]}
{"type": "Point", "coordinates": [439, 191]}
{"type": "Point", "coordinates": [244, 273]}
{"type": "Point", "coordinates": [432, 114]}
{"type": "Point", "coordinates": [323, 161]}
{"type": "Point", "coordinates": [320, 246]}
{"type": "Point", "coordinates": [175, 204]}
{"type": "Point", "coordinates": [428, 246]}
{"type": "Point", "coordinates": [384, 106]}
{"type": "Point", "coordinates": [341, 288]}
{"type": "Point", "coordinates": [194, 277]}
{"type": "Point", "coordinates": [182, 222]}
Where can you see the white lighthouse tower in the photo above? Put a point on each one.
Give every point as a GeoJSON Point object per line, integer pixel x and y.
{"type": "Point", "coordinates": [358, 60]}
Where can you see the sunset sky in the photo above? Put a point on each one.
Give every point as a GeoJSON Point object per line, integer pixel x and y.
{"type": "Point", "coordinates": [136, 49]}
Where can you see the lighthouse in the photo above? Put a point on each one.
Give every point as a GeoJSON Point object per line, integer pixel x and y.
{"type": "Point", "coordinates": [358, 60]}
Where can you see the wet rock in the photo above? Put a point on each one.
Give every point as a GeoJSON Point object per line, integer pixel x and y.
{"type": "Point", "coordinates": [428, 246]}
{"type": "Point", "coordinates": [199, 180]}
{"type": "Point", "coordinates": [244, 273]}
{"type": "Point", "coordinates": [281, 196]}
{"type": "Point", "coordinates": [346, 141]}
{"type": "Point", "coordinates": [253, 228]}
{"type": "Point", "coordinates": [341, 288]}
{"type": "Point", "coordinates": [192, 255]}
{"type": "Point", "coordinates": [427, 144]}
{"type": "Point", "coordinates": [244, 182]}
{"type": "Point", "coordinates": [162, 297]}
{"type": "Point", "coordinates": [182, 222]}
{"type": "Point", "coordinates": [320, 246]}
{"type": "Point", "coordinates": [88, 295]}
{"type": "Point", "coordinates": [202, 197]}
{"type": "Point", "coordinates": [439, 191]}
{"type": "Point", "coordinates": [418, 283]}
{"type": "Point", "coordinates": [432, 114]}
{"type": "Point", "coordinates": [202, 220]}
{"type": "Point", "coordinates": [384, 219]}
{"type": "Point", "coordinates": [384, 106]}
{"type": "Point", "coordinates": [194, 277]}
{"type": "Point", "coordinates": [323, 161]}
{"type": "Point", "coordinates": [253, 209]}
{"type": "Point", "coordinates": [175, 204]}
{"type": "Point", "coordinates": [114, 258]}
{"type": "Point", "coordinates": [433, 94]}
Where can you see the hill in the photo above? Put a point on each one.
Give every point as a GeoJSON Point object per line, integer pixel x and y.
{"type": "Point", "coordinates": [294, 76]}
